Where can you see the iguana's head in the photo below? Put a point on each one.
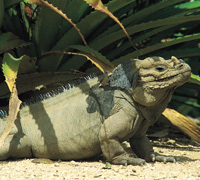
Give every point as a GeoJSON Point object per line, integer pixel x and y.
{"type": "Point", "coordinates": [158, 73]}
{"type": "Point", "coordinates": [150, 80]}
{"type": "Point", "coordinates": [157, 79]}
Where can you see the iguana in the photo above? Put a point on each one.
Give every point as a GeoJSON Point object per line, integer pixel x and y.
{"type": "Point", "coordinates": [88, 119]}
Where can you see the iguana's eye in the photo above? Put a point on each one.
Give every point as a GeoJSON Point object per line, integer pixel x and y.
{"type": "Point", "coordinates": [161, 68]}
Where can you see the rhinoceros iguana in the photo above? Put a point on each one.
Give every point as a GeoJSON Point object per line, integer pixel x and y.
{"type": "Point", "coordinates": [88, 119]}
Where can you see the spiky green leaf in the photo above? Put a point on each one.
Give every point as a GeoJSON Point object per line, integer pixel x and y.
{"type": "Point", "coordinates": [194, 79]}
{"type": "Point", "coordinates": [189, 5]}
{"type": "Point", "coordinates": [10, 68]}
{"type": "Point", "coordinates": [158, 46]}
{"type": "Point", "coordinates": [99, 44]}
{"type": "Point", "coordinates": [10, 41]}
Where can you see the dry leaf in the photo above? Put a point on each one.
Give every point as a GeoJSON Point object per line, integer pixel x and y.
{"type": "Point", "coordinates": [14, 105]}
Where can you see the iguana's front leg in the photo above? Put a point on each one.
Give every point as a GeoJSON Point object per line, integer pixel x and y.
{"type": "Point", "coordinates": [115, 128]}
{"type": "Point", "coordinates": [143, 149]}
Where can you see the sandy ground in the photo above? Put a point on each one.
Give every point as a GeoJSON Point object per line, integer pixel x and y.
{"type": "Point", "coordinates": [186, 167]}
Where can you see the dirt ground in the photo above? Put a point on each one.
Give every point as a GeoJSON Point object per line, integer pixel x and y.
{"type": "Point", "coordinates": [186, 167]}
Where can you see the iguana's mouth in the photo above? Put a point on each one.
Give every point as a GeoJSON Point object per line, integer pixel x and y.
{"type": "Point", "coordinates": [166, 79]}
{"type": "Point", "coordinates": [173, 76]}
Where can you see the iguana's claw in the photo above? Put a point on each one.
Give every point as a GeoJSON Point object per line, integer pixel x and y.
{"type": "Point", "coordinates": [125, 160]}
{"type": "Point", "coordinates": [136, 161]}
{"type": "Point", "coordinates": [161, 158]}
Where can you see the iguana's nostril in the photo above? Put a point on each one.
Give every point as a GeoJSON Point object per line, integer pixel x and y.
{"type": "Point", "coordinates": [180, 65]}
{"type": "Point", "coordinates": [177, 62]}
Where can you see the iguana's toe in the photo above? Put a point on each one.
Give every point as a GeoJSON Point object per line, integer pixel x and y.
{"type": "Point", "coordinates": [161, 158]}
{"type": "Point", "coordinates": [136, 161]}
{"type": "Point", "coordinates": [126, 160]}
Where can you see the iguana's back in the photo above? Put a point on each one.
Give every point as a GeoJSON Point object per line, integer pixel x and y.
{"type": "Point", "coordinates": [63, 126]}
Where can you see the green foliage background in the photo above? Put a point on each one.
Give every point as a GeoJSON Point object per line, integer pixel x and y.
{"type": "Point", "coordinates": [158, 28]}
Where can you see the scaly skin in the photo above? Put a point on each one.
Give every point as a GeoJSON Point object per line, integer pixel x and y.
{"type": "Point", "coordinates": [88, 120]}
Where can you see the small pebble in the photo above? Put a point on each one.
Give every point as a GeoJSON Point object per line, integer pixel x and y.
{"type": "Point", "coordinates": [133, 170]}
{"type": "Point", "coordinates": [97, 175]}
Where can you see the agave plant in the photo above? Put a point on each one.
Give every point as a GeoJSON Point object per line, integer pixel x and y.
{"type": "Point", "coordinates": [162, 28]}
